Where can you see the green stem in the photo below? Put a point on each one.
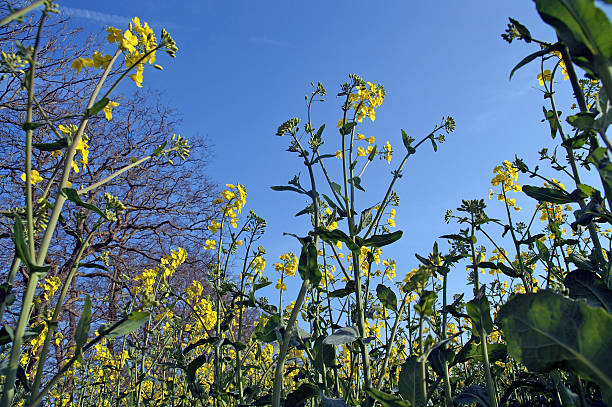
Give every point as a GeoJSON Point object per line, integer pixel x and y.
{"type": "Point", "coordinates": [21, 12]}
{"type": "Point", "coordinates": [52, 325]}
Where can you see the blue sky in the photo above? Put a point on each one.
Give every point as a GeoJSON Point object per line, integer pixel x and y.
{"type": "Point", "coordinates": [243, 68]}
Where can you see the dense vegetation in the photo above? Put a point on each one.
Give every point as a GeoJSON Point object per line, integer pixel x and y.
{"type": "Point", "coordinates": [536, 332]}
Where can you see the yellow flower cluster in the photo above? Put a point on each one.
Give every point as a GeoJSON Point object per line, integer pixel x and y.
{"type": "Point", "coordinates": [97, 61]}
{"type": "Point", "coordinates": [233, 200]}
{"type": "Point", "coordinates": [82, 147]}
{"type": "Point", "coordinates": [289, 264]}
{"type": "Point", "coordinates": [167, 267]}
{"type": "Point", "coordinates": [506, 175]}
{"type": "Point", "coordinates": [366, 100]}
{"type": "Point", "coordinates": [138, 44]}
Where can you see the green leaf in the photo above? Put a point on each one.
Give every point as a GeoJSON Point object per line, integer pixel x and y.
{"type": "Point", "coordinates": [92, 265]}
{"type": "Point", "coordinates": [298, 397]}
{"type": "Point", "coordinates": [586, 189]}
{"type": "Point", "coordinates": [407, 140]}
{"type": "Point", "coordinates": [425, 306]}
{"type": "Point", "coordinates": [330, 402]}
{"type": "Point", "coordinates": [82, 329]}
{"type": "Point", "coordinates": [531, 57]}
{"type": "Point", "coordinates": [387, 297]}
{"type": "Point", "coordinates": [323, 355]}
{"type": "Point", "coordinates": [583, 27]}
{"type": "Point", "coordinates": [366, 219]}
{"type": "Point", "coordinates": [382, 240]}
{"type": "Point", "coordinates": [553, 195]}
{"type": "Point", "coordinates": [31, 126]}
{"type": "Point", "coordinates": [582, 121]}
{"type": "Point", "coordinates": [307, 266]}
{"type": "Point", "coordinates": [410, 382]}
{"type": "Point", "coordinates": [552, 121]}
{"type": "Point", "coordinates": [72, 195]}
{"type": "Point", "coordinates": [473, 394]}
{"type": "Point", "coordinates": [342, 335]}
{"type": "Point", "coordinates": [348, 289]}
{"type": "Point", "coordinates": [479, 311]}
{"type": "Point", "coordinates": [128, 325]}
{"type": "Point", "coordinates": [387, 400]}
{"type": "Point", "coordinates": [18, 237]}
{"type": "Point", "coordinates": [356, 182]}
{"type": "Point", "coordinates": [287, 188]}
{"type": "Point", "coordinates": [546, 331]}
{"type": "Point", "coordinates": [346, 129]}
{"type": "Point", "coordinates": [99, 105]}
{"type": "Point", "coordinates": [54, 146]}
{"type": "Point", "coordinates": [266, 328]}
{"type": "Point", "coordinates": [332, 237]}
{"type": "Point", "coordinates": [584, 284]}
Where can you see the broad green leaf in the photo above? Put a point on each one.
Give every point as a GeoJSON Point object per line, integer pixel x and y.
{"type": "Point", "coordinates": [546, 331]}
{"type": "Point", "coordinates": [266, 328]}
{"type": "Point", "coordinates": [82, 329]}
{"type": "Point", "coordinates": [298, 397]}
{"type": "Point", "coordinates": [323, 355]}
{"type": "Point", "coordinates": [307, 266]}
{"type": "Point", "coordinates": [552, 195]}
{"type": "Point", "coordinates": [332, 237]}
{"type": "Point", "coordinates": [410, 382]}
{"type": "Point", "coordinates": [330, 402]}
{"type": "Point", "coordinates": [583, 27]}
{"type": "Point", "coordinates": [581, 121]}
{"type": "Point", "coordinates": [72, 195]}
{"type": "Point", "coordinates": [128, 325]}
{"type": "Point", "coordinates": [342, 335]}
{"type": "Point", "coordinates": [382, 240]}
{"type": "Point", "coordinates": [473, 394]}
{"type": "Point", "coordinates": [479, 311]}
{"type": "Point", "coordinates": [387, 400]}
{"type": "Point", "coordinates": [387, 297]}
{"type": "Point", "coordinates": [584, 284]}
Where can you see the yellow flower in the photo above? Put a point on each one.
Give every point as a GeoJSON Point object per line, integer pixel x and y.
{"type": "Point", "coordinates": [210, 244]}
{"type": "Point", "coordinates": [339, 154]}
{"type": "Point", "coordinates": [371, 140]}
{"type": "Point", "coordinates": [544, 77]}
{"type": "Point", "coordinates": [36, 178]}
{"type": "Point", "coordinates": [108, 109]}
{"type": "Point", "coordinates": [280, 285]}
{"type": "Point", "coordinates": [340, 123]}
{"type": "Point", "coordinates": [361, 152]}
{"type": "Point", "coordinates": [387, 152]}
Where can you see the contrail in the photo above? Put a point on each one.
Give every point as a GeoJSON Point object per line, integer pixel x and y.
{"type": "Point", "coordinates": [108, 18]}
{"type": "Point", "coordinates": [268, 41]}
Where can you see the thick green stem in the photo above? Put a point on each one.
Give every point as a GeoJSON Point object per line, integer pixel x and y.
{"type": "Point", "coordinates": [487, 366]}
{"type": "Point", "coordinates": [282, 354]}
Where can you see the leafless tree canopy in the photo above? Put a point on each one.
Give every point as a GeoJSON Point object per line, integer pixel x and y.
{"type": "Point", "coordinates": [166, 205]}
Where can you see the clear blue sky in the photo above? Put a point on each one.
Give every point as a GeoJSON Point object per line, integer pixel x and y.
{"type": "Point", "coordinates": [243, 67]}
